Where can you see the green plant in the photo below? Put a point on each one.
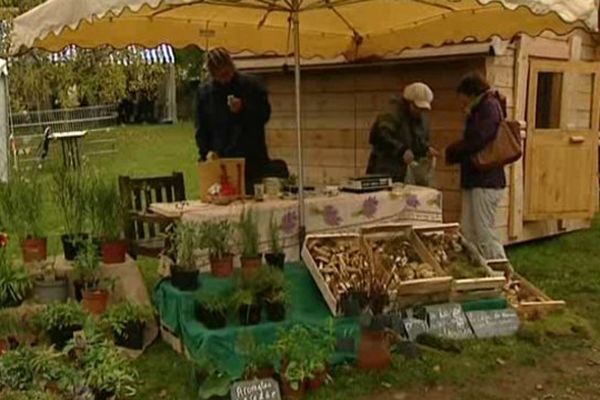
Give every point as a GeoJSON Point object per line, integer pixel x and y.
{"type": "Point", "coordinates": [275, 236]}
{"type": "Point", "coordinates": [244, 297]}
{"type": "Point", "coordinates": [29, 395]}
{"type": "Point", "coordinates": [216, 238]}
{"type": "Point", "coordinates": [269, 281]}
{"type": "Point", "coordinates": [120, 315]}
{"type": "Point", "coordinates": [213, 302]}
{"type": "Point", "coordinates": [15, 282]}
{"type": "Point", "coordinates": [9, 326]}
{"type": "Point", "coordinates": [60, 316]}
{"type": "Point", "coordinates": [21, 203]}
{"type": "Point", "coordinates": [295, 374]}
{"type": "Point", "coordinates": [248, 233]}
{"type": "Point", "coordinates": [258, 356]}
{"type": "Point", "coordinates": [187, 237]}
{"type": "Point", "coordinates": [70, 194]}
{"type": "Point", "coordinates": [87, 264]}
{"type": "Point", "coordinates": [106, 209]}
{"type": "Point", "coordinates": [211, 381]}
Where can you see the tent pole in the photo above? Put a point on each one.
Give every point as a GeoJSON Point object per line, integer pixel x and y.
{"type": "Point", "coordinates": [296, 27]}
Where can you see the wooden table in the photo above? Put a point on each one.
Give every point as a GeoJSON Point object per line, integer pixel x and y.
{"type": "Point", "coordinates": [69, 142]}
{"type": "Point", "coordinates": [344, 212]}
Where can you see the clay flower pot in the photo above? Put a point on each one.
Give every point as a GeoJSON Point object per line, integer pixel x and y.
{"type": "Point", "coordinates": [222, 267]}
{"type": "Point", "coordinates": [114, 252]}
{"type": "Point", "coordinates": [34, 249]}
{"type": "Point", "coordinates": [289, 392]}
{"type": "Point", "coordinates": [95, 301]}
{"type": "Point", "coordinates": [316, 382]}
{"type": "Point", "coordinates": [251, 266]}
{"type": "Point", "coordinates": [374, 351]}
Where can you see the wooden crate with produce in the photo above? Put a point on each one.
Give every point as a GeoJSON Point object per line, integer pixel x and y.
{"type": "Point", "coordinates": [415, 281]}
{"type": "Point", "coordinates": [448, 250]}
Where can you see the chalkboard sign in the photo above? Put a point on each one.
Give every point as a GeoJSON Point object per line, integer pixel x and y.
{"type": "Point", "coordinates": [494, 323]}
{"type": "Point", "coordinates": [414, 327]}
{"type": "Point", "coordinates": [263, 389]}
{"type": "Point", "coordinates": [449, 321]}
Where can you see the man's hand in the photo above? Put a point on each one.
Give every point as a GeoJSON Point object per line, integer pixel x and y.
{"type": "Point", "coordinates": [408, 157]}
{"type": "Point", "coordinates": [211, 156]}
{"type": "Point", "coordinates": [235, 104]}
{"type": "Point", "coordinates": [433, 152]}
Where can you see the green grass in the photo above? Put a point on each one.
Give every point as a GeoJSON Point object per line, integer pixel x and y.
{"type": "Point", "coordinates": [565, 268]}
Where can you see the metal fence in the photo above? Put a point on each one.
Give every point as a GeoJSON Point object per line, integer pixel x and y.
{"type": "Point", "coordinates": [27, 129]}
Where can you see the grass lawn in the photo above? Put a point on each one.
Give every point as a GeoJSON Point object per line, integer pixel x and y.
{"type": "Point", "coordinates": [566, 268]}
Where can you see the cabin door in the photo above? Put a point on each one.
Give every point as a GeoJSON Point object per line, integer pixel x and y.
{"type": "Point", "coordinates": [562, 140]}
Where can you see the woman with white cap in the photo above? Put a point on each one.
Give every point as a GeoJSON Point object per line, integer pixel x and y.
{"type": "Point", "coordinates": [401, 137]}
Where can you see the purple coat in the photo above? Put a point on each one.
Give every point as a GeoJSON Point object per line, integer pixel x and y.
{"type": "Point", "coordinates": [480, 129]}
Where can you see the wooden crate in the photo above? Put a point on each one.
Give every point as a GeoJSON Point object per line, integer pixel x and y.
{"type": "Point", "coordinates": [311, 265]}
{"type": "Point", "coordinates": [529, 310]}
{"type": "Point", "coordinates": [171, 338]}
{"type": "Point", "coordinates": [470, 289]}
{"type": "Point", "coordinates": [418, 291]}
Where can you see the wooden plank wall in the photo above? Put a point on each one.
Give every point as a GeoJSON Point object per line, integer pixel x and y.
{"type": "Point", "coordinates": [340, 106]}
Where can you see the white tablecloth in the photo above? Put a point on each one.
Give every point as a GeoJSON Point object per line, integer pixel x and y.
{"type": "Point", "coordinates": [344, 212]}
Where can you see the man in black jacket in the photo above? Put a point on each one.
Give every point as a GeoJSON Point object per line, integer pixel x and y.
{"type": "Point", "coordinates": [231, 113]}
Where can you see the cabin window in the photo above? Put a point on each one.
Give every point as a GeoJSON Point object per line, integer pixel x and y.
{"type": "Point", "coordinates": [549, 100]}
{"type": "Point", "coordinates": [579, 102]}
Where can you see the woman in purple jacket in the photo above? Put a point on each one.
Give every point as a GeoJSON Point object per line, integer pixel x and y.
{"type": "Point", "coordinates": [481, 190]}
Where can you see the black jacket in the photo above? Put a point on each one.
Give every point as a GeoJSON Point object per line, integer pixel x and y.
{"type": "Point", "coordinates": [234, 135]}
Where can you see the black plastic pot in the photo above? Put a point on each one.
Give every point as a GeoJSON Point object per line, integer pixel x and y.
{"type": "Point", "coordinates": [72, 244]}
{"type": "Point", "coordinates": [350, 304]}
{"type": "Point", "coordinates": [132, 337]}
{"type": "Point", "coordinates": [11, 303]}
{"type": "Point", "coordinates": [275, 260]}
{"type": "Point", "coordinates": [249, 314]}
{"type": "Point", "coordinates": [275, 311]}
{"type": "Point", "coordinates": [78, 288]}
{"type": "Point", "coordinates": [211, 319]}
{"type": "Point", "coordinates": [184, 280]}
{"type": "Point", "coordinates": [60, 336]}
{"type": "Point", "coordinates": [103, 394]}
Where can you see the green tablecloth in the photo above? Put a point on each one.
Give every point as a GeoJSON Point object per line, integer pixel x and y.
{"type": "Point", "coordinates": [177, 311]}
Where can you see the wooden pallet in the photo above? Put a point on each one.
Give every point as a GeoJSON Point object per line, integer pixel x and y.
{"type": "Point", "coordinates": [414, 292]}
{"type": "Point", "coordinates": [470, 289]}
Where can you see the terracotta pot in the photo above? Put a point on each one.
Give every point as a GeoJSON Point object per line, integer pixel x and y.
{"type": "Point", "coordinates": [95, 301]}
{"type": "Point", "coordinates": [222, 267]}
{"type": "Point", "coordinates": [317, 381]}
{"type": "Point", "coordinates": [114, 252]}
{"type": "Point", "coordinates": [34, 249]}
{"type": "Point", "coordinates": [251, 266]}
{"type": "Point", "coordinates": [289, 393]}
{"type": "Point", "coordinates": [374, 351]}
{"type": "Point", "coordinates": [276, 260]}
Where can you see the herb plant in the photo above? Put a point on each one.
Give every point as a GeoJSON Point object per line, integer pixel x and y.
{"type": "Point", "coordinates": [21, 202]}
{"type": "Point", "coordinates": [216, 238]}
{"type": "Point", "coordinates": [61, 316]}
{"type": "Point", "coordinates": [274, 236]}
{"type": "Point", "coordinates": [87, 264]}
{"type": "Point", "coordinates": [186, 242]}
{"type": "Point", "coordinates": [120, 316]}
{"type": "Point", "coordinates": [15, 283]}
{"type": "Point", "coordinates": [106, 209]}
{"type": "Point", "coordinates": [70, 193]}
{"type": "Point", "coordinates": [248, 234]}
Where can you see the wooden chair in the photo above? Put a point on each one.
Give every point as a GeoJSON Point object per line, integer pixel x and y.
{"type": "Point", "coordinates": [144, 229]}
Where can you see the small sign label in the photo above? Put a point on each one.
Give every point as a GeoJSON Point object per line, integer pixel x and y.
{"type": "Point", "coordinates": [258, 389]}
{"type": "Point", "coordinates": [494, 323]}
{"type": "Point", "coordinates": [449, 321]}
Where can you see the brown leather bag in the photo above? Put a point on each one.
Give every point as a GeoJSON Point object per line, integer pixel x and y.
{"type": "Point", "coordinates": [503, 150]}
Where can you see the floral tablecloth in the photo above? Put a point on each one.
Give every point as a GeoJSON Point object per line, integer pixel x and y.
{"type": "Point", "coordinates": [343, 212]}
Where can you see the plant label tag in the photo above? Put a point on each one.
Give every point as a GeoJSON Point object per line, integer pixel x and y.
{"type": "Point", "coordinates": [257, 389]}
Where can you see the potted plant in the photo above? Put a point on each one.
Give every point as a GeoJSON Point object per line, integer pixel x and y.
{"type": "Point", "coordinates": [107, 211]}
{"type": "Point", "coordinates": [94, 290]}
{"type": "Point", "coordinates": [60, 321]}
{"type": "Point", "coordinates": [248, 307]}
{"type": "Point", "coordinates": [276, 256]}
{"type": "Point", "coordinates": [15, 283]}
{"type": "Point", "coordinates": [211, 310]}
{"type": "Point", "coordinates": [260, 358]}
{"type": "Point", "coordinates": [9, 331]}
{"type": "Point", "coordinates": [275, 305]}
{"type": "Point", "coordinates": [49, 286]}
{"type": "Point", "coordinates": [21, 208]}
{"type": "Point", "coordinates": [293, 378]}
{"type": "Point", "coordinates": [184, 273]}
{"type": "Point", "coordinates": [216, 238]}
{"type": "Point", "coordinates": [70, 193]}
{"type": "Point", "coordinates": [249, 242]}
{"type": "Point", "coordinates": [127, 322]}
{"type": "Point", "coordinates": [318, 352]}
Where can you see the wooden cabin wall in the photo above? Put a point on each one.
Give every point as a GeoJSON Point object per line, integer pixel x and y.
{"type": "Point", "coordinates": [509, 73]}
{"type": "Point", "coordinates": [339, 106]}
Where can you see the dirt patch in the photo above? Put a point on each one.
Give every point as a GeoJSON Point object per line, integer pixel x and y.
{"type": "Point", "coordinates": [568, 376]}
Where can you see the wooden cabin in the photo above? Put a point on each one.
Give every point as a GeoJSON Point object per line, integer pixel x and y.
{"type": "Point", "coordinates": [551, 84]}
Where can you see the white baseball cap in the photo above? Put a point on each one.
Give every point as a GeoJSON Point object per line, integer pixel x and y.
{"type": "Point", "coordinates": [420, 94]}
